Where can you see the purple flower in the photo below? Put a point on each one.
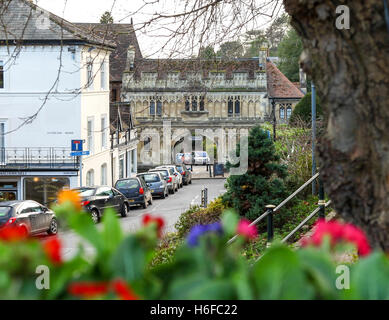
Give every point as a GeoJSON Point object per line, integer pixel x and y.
{"type": "Point", "coordinates": [199, 230]}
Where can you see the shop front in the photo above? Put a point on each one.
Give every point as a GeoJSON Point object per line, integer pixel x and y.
{"type": "Point", "coordinates": [42, 187]}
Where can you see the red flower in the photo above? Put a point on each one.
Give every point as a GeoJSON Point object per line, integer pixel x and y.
{"type": "Point", "coordinates": [147, 219]}
{"type": "Point", "coordinates": [124, 291]}
{"type": "Point", "coordinates": [13, 233]}
{"type": "Point", "coordinates": [353, 234]}
{"type": "Point", "coordinates": [339, 232]}
{"type": "Point", "coordinates": [52, 249]}
{"type": "Point", "coordinates": [88, 290]}
{"type": "Point", "coordinates": [244, 229]}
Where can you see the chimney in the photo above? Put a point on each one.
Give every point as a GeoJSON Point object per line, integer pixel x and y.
{"type": "Point", "coordinates": [130, 58]}
{"type": "Point", "coordinates": [263, 54]}
{"type": "Point", "coordinates": [303, 81]}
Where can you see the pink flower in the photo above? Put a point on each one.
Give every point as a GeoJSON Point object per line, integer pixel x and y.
{"type": "Point", "coordinates": [339, 232]}
{"type": "Point", "coordinates": [244, 229]}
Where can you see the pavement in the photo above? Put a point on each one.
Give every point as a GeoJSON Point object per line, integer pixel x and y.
{"type": "Point", "coordinates": [169, 209]}
{"type": "Point", "coordinates": [200, 172]}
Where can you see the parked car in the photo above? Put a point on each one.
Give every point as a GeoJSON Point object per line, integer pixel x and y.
{"type": "Point", "coordinates": [180, 158]}
{"type": "Point", "coordinates": [200, 157]}
{"type": "Point", "coordinates": [136, 191]}
{"type": "Point", "coordinates": [176, 173]}
{"type": "Point", "coordinates": [156, 182]}
{"type": "Point", "coordinates": [187, 158]}
{"type": "Point", "coordinates": [96, 199]}
{"type": "Point", "coordinates": [28, 214]}
{"type": "Point", "coordinates": [186, 173]}
{"type": "Point", "coordinates": [170, 178]}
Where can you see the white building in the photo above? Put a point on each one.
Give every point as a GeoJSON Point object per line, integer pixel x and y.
{"type": "Point", "coordinates": [54, 88]}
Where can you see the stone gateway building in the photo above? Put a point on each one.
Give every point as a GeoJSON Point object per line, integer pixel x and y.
{"type": "Point", "coordinates": [177, 104]}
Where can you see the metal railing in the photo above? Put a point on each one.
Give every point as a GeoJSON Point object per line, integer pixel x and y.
{"type": "Point", "coordinates": [270, 209]}
{"type": "Point", "coordinates": [37, 158]}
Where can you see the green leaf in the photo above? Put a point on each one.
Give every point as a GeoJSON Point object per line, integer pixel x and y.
{"type": "Point", "coordinates": [82, 224]}
{"type": "Point", "coordinates": [370, 278]}
{"type": "Point", "coordinates": [111, 234]}
{"type": "Point", "coordinates": [230, 221]}
{"type": "Point", "coordinates": [279, 275]}
{"type": "Point", "coordinates": [130, 259]}
{"type": "Point", "coordinates": [320, 271]}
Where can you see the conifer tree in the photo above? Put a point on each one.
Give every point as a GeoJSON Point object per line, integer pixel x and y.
{"type": "Point", "coordinates": [263, 183]}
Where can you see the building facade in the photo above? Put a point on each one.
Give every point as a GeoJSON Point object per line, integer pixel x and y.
{"type": "Point", "coordinates": [54, 89]}
{"type": "Point", "coordinates": [174, 100]}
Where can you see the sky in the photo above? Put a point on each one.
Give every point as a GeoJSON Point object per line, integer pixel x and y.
{"type": "Point", "coordinates": [151, 39]}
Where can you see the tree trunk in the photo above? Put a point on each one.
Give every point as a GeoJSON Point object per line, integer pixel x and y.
{"type": "Point", "coordinates": [351, 71]}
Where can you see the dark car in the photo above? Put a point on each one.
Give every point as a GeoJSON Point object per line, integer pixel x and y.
{"type": "Point", "coordinates": [96, 199]}
{"type": "Point", "coordinates": [185, 172]}
{"type": "Point", "coordinates": [28, 214]}
{"type": "Point", "coordinates": [156, 182]}
{"type": "Point", "coordinates": [136, 191]}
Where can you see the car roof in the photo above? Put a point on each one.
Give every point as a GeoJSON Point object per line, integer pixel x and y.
{"type": "Point", "coordinates": [14, 203]}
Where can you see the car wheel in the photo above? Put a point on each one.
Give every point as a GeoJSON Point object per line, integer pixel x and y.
{"type": "Point", "coordinates": [163, 195]}
{"type": "Point", "coordinates": [190, 181]}
{"type": "Point", "coordinates": [151, 201]}
{"type": "Point", "coordinates": [124, 210]}
{"type": "Point", "coordinates": [53, 229]}
{"type": "Point", "coordinates": [144, 205]}
{"type": "Point", "coordinates": [95, 216]}
{"type": "Point", "coordinates": [173, 190]}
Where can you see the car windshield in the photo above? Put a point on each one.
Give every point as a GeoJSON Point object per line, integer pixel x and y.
{"type": "Point", "coordinates": [127, 184]}
{"type": "Point", "coordinates": [4, 211]}
{"type": "Point", "coordinates": [85, 192]}
{"type": "Point", "coordinates": [151, 177]}
{"type": "Point", "coordinates": [164, 172]}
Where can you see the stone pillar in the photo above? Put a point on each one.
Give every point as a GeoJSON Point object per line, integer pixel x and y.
{"type": "Point", "coordinates": [245, 111]}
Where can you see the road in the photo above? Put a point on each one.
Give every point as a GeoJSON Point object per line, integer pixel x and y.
{"type": "Point", "coordinates": [170, 209]}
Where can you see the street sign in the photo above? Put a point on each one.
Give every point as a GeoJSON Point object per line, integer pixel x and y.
{"type": "Point", "coordinates": [79, 153]}
{"type": "Point", "coordinates": [77, 145]}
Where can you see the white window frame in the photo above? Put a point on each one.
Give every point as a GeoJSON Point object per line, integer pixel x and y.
{"type": "Point", "coordinates": [103, 76]}
{"type": "Point", "coordinates": [122, 166]}
{"type": "Point", "coordinates": [104, 174]}
{"type": "Point", "coordinates": [89, 74]}
{"type": "Point", "coordinates": [103, 131]}
{"type": "Point", "coordinates": [3, 140]}
{"type": "Point", "coordinates": [90, 178]}
{"type": "Point", "coordinates": [90, 135]}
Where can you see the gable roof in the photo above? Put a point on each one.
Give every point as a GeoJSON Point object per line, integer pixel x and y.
{"type": "Point", "coordinates": [23, 22]}
{"type": "Point", "coordinates": [123, 35]}
{"type": "Point", "coordinates": [278, 85]}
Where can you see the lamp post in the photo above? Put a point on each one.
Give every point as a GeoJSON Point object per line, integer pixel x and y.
{"type": "Point", "coordinates": [313, 112]}
{"type": "Point", "coordinates": [273, 103]}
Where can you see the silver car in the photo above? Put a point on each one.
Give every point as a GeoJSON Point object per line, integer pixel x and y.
{"type": "Point", "coordinates": [170, 178]}
{"type": "Point", "coordinates": [177, 174]}
{"type": "Point", "coordinates": [29, 215]}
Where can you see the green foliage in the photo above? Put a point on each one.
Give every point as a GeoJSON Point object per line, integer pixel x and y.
{"type": "Point", "coordinates": [209, 270]}
{"type": "Point", "coordinates": [262, 184]}
{"type": "Point", "coordinates": [106, 18]}
{"type": "Point", "coordinates": [207, 53]}
{"type": "Point", "coordinates": [196, 215]}
{"type": "Point", "coordinates": [230, 50]}
{"type": "Point", "coordinates": [289, 51]}
{"type": "Point", "coordinates": [302, 113]}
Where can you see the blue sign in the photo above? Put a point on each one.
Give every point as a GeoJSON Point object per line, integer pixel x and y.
{"type": "Point", "coordinates": [77, 145]}
{"type": "Point", "coordinates": [79, 153]}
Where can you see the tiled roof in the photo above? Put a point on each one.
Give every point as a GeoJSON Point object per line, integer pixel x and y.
{"type": "Point", "coordinates": [278, 85]}
{"type": "Point", "coordinates": [25, 22]}
{"type": "Point", "coordinates": [184, 66]}
{"type": "Point", "coordinates": [123, 35]}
